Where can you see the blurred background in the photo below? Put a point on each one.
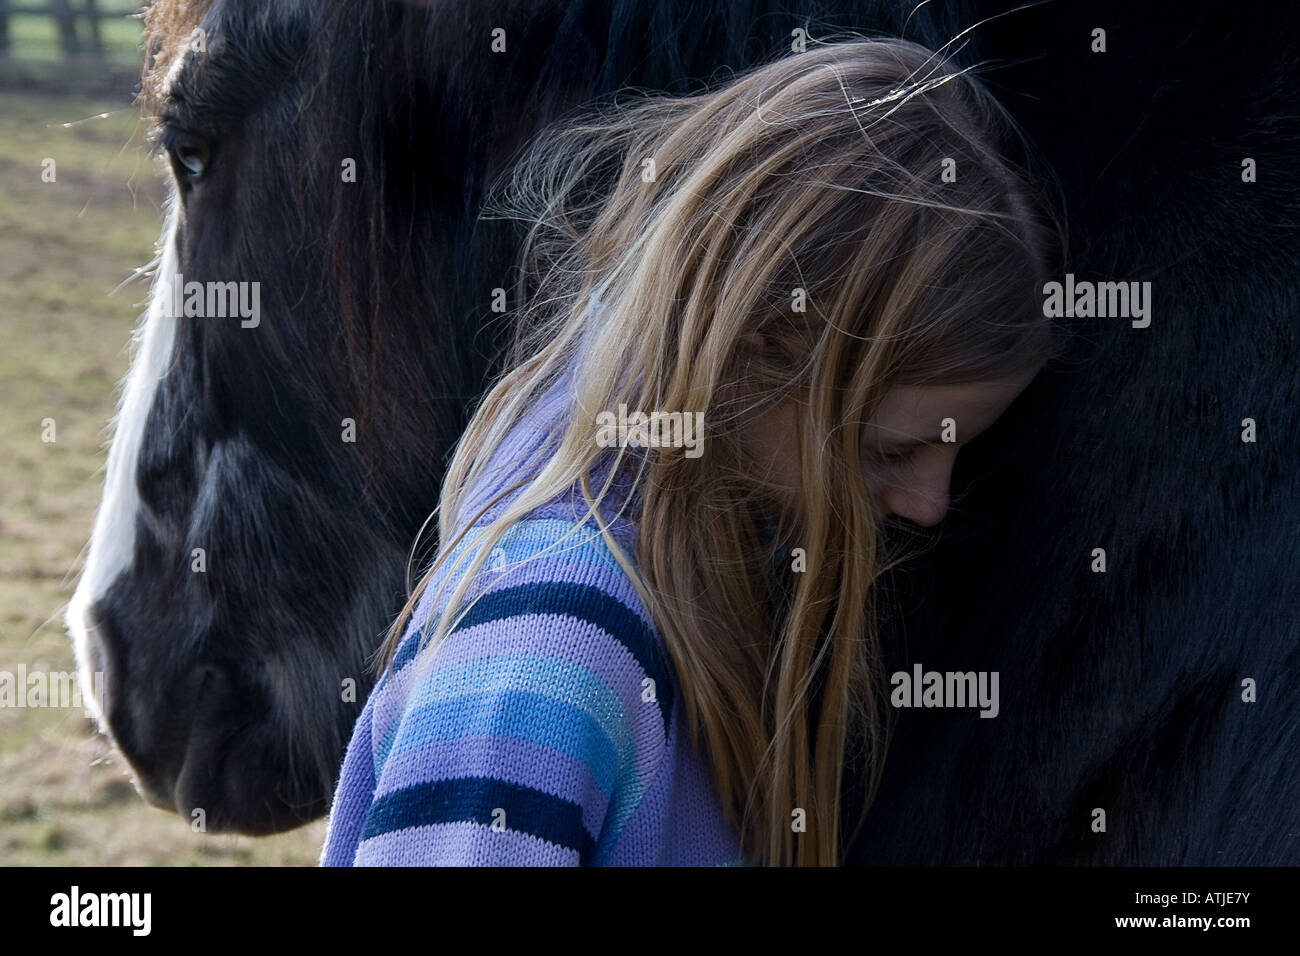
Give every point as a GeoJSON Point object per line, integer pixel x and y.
{"type": "Point", "coordinates": [69, 297]}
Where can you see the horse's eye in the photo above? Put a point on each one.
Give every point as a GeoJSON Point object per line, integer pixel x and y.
{"type": "Point", "coordinates": [190, 157]}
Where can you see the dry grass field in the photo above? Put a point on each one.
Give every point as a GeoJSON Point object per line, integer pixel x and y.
{"type": "Point", "coordinates": [68, 302]}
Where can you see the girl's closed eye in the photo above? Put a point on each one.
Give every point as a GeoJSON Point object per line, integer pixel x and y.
{"type": "Point", "coordinates": [894, 457]}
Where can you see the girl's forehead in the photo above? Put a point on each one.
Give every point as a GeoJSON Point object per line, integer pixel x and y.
{"type": "Point", "coordinates": [919, 412]}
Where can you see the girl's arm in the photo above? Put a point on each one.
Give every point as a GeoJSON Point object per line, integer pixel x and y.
{"type": "Point", "coordinates": [529, 739]}
{"type": "Point", "coordinates": [353, 795]}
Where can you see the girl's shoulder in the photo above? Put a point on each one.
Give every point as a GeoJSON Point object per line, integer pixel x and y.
{"type": "Point", "coordinates": [553, 613]}
{"type": "Point", "coordinates": [547, 706]}
{"type": "Point", "coordinates": [542, 565]}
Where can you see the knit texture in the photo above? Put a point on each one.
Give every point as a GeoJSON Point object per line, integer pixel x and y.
{"type": "Point", "coordinates": [545, 729]}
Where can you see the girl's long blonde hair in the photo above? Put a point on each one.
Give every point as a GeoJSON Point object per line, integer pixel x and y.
{"type": "Point", "coordinates": [851, 205]}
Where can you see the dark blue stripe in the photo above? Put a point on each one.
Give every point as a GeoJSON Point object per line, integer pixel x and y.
{"type": "Point", "coordinates": [473, 799]}
{"type": "Point", "coordinates": [582, 601]}
{"type": "Point", "coordinates": [406, 650]}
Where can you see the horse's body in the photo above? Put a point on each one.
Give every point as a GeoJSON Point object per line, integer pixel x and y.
{"type": "Point", "coordinates": [1120, 691]}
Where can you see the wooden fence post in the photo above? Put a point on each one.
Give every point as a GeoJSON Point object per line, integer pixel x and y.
{"type": "Point", "coordinates": [63, 14]}
{"type": "Point", "coordinates": [96, 38]}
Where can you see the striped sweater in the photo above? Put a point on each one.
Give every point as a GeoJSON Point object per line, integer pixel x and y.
{"type": "Point", "coordinates": [544, 730]}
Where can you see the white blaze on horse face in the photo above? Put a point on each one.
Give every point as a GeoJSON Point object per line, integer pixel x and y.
{"type": "Point", "coordinates": [112, 539]}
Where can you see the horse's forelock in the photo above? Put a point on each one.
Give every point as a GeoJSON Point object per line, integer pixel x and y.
{"type": "Point", "coordinates": [167, 25]}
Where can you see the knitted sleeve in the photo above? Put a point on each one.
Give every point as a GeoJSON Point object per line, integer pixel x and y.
{"type": "Point", "coordinates": [530, 734]}
{"type": "Point", "coordinates": [353, 795]}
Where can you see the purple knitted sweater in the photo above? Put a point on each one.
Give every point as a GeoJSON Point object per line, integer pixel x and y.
{"type": "Point", "coordinates": [546, 729]}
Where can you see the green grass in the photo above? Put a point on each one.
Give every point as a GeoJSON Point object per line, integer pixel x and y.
{"type": "Point", "coordinates": [37, 38]}
{"type": "Point", "coordinates": [65, 248]}
{"type": "Point", "coordinates": [36, 58]}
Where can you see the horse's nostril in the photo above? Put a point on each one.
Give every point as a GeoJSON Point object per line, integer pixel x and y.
{"type": "Point", "coordinates": [209, 688]}
{"type": "Point", "coordinates": [199, 732]}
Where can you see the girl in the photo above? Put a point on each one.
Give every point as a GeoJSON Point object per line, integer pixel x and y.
{"type": "Point", "coordinates": [649, 635]}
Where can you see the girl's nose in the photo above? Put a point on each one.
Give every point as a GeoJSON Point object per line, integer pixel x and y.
{"type": "Point", "coordinates": [920, 496]}
{"type": "Point", "coordinates": [916, 507]}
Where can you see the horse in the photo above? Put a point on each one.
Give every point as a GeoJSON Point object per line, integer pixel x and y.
{"type": "Point", "coordinates": [1122, 557]}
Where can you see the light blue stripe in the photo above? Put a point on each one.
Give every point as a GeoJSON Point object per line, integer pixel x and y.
{"type": "Point", "coordinates": [547, 677]}
{"type": "Point", "coordinates": [516, 715]}
{"type": "Point", "coordinates": [564, 540]}
{"type": "Point", "coordinates": [626, 798]}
